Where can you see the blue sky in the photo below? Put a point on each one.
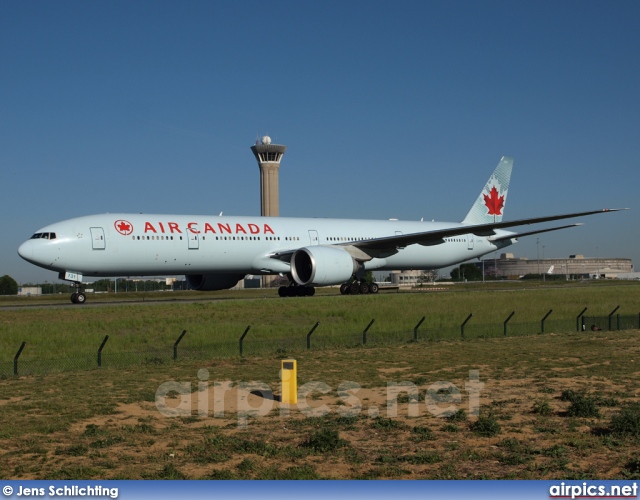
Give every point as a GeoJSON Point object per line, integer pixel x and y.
{"type": "Point", "coordinates": [388, 110]}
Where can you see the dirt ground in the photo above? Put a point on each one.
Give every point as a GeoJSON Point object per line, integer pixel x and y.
{"type": "Point", "coordinates": [494, 408]}
{"type": "Point", "coordinates": [406, 425]}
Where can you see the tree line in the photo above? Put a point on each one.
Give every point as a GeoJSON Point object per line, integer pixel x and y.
{"type": "Point", "coordinates": [9, 286]}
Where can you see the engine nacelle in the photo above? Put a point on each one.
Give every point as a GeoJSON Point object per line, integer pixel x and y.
{"type": "Point", "coordinates": [209, 282]}
{"type": "Point", "coordinates": [321, 265]}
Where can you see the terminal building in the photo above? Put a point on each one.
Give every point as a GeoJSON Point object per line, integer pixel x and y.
{"type": "Point", "coordinates": [575, 267]}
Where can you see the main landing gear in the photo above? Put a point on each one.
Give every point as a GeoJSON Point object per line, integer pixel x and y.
{"type": "Point", "coordinates": [294, 290]}
{"type": "Point", "coordinates": [358, 287]}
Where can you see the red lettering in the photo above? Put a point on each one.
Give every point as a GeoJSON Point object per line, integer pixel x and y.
{"type": "Point", "coordinates": [173, 226]}
{"type": "Point", "coordinates": [194, 230]}
{"type": "Point", "coordinates": [161, 226]}
{"type": "Point", "coordinates": [267, 229]}
{"type": "Point", "coordinates": [149, 227]}
{"type": "Point", "coordinates": [224, 227]}
{"type": "Point", "coordinates": [240, 229]}
{"type": "Point", "coordinates": [253, 229]}
{"type": "Point", "coordinates": [208, 228]}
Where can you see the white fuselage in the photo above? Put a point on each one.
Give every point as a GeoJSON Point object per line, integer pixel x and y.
{"type": "Point", "coordinates": [146, 245]}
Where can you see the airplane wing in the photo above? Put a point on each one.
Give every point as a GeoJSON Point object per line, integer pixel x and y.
{"type": "Point", "coordinates": [436, 237]}
{"type": "Point", "coordinates": [384, 247]}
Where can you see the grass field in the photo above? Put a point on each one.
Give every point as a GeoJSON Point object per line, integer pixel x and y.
{"type": "Point", "coordinates": [132, 327]}
{"type": "Point", "coordinates": [552, 406]}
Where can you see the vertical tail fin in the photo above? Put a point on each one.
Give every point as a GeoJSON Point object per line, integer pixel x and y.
{"type": "Point", "coordinates": [489, 206]}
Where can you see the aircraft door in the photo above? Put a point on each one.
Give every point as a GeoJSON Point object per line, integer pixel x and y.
{"type": "Point", "coordinates": [399, 233]}
{"type": "Point", "coordinates": [313, 237]}
{"type": "Point", "coordinates": [193, 237]}
{"type": "Point", "coordinates": [470, 242]}
{"type": "Point", "coordinates": [98, 241]}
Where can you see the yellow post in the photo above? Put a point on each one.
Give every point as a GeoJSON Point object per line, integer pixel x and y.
{"type": "Point", "coordinates": [289, 377]}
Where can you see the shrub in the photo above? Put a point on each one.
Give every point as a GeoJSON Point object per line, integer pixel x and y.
{"type": "Point", "coordinates": [169, 471]}
{"type": "Point", "coordinates": [486, 426]}
{"type": "Point", "coordinates": [627, 421]}
{"type": "Point", "coordinates": [583, 406]}
{"type": "Point", "coordinates": [426, 457]}
{"type": "Point", "coordinates": [324, 440]}
{"type": "Point", "coordinates": [450, 428]}
{"type": "Point", "coordinates": [459, 416]}
{"type": "Point", "coordinates": [568, 395]}
{"type": "Point", "coordinates": [387, 424]}
{"type": "Point", "coordinates": [75, 450]}
{"type": "Point", "coordinates": [423, 433]}
{"type": "Point", "coordinates": [633, 466]}
{"type": "Point", "coordinates": [542, 407]}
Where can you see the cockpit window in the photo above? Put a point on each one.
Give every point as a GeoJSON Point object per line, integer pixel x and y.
{"type": "Point", "coordinates": [46, 236]}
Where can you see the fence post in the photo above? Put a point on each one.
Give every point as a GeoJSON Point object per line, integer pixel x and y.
{"type": "Point", "coordinates": [100, 350]}
{"type": "Point", "coordinates": [578, 322]}
{"type": "Point", "coordinates": [611, 314]}
{"type": "Point", "coordinates": [618, 321]}
{"type": "Point", "coordinates": [506, 321]}
{"type": "Point", "coordinates": [309, 334]}
{"type": "Point", "coordinates": [364, 333]}
{"type": "Point", "coordinates": [242, 338]}
{"type": "Point", "coordinates": [15, 359]}
{"type": "Point", "coordinates": [175, 345]}
{"type": "Point", "coordinates": [543, 319]}
{"type": "Point", "coordinates": [415, 329]}
{"type": "Point", "coordinates": [464, 323]}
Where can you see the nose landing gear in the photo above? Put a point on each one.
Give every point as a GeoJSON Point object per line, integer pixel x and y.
{"type": "Point", "coordinates": [78, 297]}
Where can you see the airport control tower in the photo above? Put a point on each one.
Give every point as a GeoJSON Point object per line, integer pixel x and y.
{"type": "Point", "coordinates": [268, 156]}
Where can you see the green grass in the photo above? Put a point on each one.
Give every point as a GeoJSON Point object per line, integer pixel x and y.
{"type": "Point", "coordinates": [55, 333]}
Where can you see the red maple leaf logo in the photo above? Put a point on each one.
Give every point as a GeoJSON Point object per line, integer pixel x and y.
{"type": "Point", "coordinates": [123, 227]}
{"type": "Point", "coordinates": [494, 202]}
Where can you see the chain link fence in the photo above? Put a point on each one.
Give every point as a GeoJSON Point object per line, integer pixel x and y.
{"type": "Point", "coordinates": [103, 357]}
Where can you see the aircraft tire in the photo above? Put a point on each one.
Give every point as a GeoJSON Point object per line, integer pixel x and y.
{"type": "Point", "coordinates": [344, 289]}
{"type": "Point", "coordinates": [354, 289]}
{"type": "Point", "coordinates": [364, 288]}
{"type": "Point", "coordinates": [81, 298]}
{"type": "Point", "coordinates": [311, 291]}
{"type": "Point", "coordinates": [282, 291]}
{"type": "Point", "coordinates": [74, 298]}
{"type": "Point", "coordinates": [373, 288]}
{"type": "Point", "coordinates": [300, 291]}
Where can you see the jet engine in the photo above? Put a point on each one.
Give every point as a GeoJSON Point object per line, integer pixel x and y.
{"type": "Point", "coordinates": [208, 282]}
{"type": "Point", "coordinates": [322, 265]}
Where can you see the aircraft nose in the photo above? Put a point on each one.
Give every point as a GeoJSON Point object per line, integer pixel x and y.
{"type": "Point", "coordinates": [26, 250]}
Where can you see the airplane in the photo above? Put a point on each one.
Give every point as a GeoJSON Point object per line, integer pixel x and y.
{"type": "Point", "coordinates": [215, 252]}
